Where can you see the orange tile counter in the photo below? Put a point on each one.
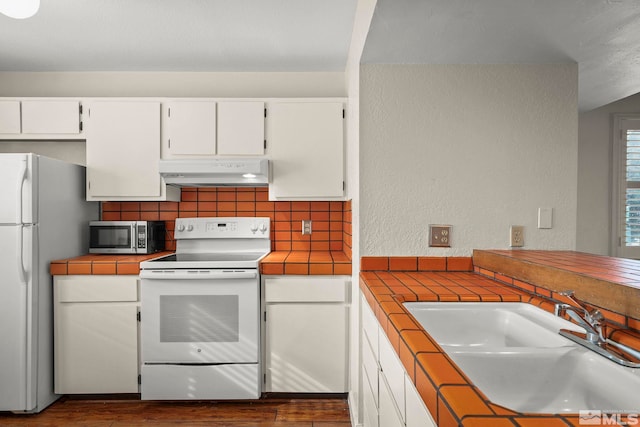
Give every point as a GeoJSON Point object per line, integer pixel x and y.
{"type": "Point", "coordinates": [276, 263]}
{"type": "Point", "coordinates": [306, 263]}
{"type": "Point", "coordinates": [101, 264]}
{"type": "Point", "coordinates": [387, 282]}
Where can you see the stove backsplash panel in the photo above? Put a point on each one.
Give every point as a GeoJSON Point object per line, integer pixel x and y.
{"type": "Point", "coordinates": [331, 221]}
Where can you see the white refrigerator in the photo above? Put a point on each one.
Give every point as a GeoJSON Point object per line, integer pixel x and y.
{"type": "Point", "coordinates": [43, 216]}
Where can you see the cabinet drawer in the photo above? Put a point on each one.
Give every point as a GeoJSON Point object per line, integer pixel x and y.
{"type": "Point", "coordinates": [96, 288]}
{"type": "Point", "coordinates": [388, 408]}
{"type": "Point", "coordinates": [393, 371]}
{"type": "Point", "coordinates": [369, 325]}
{"type": "Point", "coordinates": [370, 368]}
{"type": "Point", "coordinates": [305, 289]}
{"type": "Point", "coordinates": [370, 403]}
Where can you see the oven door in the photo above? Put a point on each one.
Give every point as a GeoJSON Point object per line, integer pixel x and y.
{"type": "Point", "coordinates": [199, 316]}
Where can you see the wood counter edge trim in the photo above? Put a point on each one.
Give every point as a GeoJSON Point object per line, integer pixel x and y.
{"type": "Point", "coordinates": [601, 293]}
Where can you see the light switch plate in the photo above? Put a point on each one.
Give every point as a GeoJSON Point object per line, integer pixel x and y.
{"type": "Point", "coordinates": [545, 217]}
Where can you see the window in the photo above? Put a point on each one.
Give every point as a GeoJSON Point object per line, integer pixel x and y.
{"type": "Point", "coordinates": [626, 182]}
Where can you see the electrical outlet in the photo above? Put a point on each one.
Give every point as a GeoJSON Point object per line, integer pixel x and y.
{"type": "Point", "coordinates": [516, 236]}
{"type": "Point", "coordinates": [306, 226]}
{"type": "Point", "coordinates": [440, 236]}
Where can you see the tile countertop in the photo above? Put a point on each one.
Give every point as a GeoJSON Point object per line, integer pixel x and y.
{"type": "Point", "coordinates": [101, 264]}
{"type": "Point", "coordinates": [451, 398]}
{"type": "Point", "coordinates": [276, 263]}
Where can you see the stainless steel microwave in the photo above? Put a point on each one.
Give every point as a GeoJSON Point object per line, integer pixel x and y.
{"type": "Point", "coordinates": [126, 237]}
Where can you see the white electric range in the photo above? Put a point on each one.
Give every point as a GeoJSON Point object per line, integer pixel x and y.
{"type": "Point", "coordinates": [200, 311]}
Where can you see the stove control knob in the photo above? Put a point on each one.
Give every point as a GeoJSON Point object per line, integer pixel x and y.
{"type": "Point", "coordinates": [190, 227]}
{"type": "Point", "coordinates": [181, 227]}
{"type": "Point", "coordinates": [263, 228]}
{"type": "Point", "coordinates": [254, 227]}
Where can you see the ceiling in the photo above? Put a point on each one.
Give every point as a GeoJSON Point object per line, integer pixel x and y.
{"type": "Point", "coordinates": [179, 35]}
{"type": "Point", "coordinates": [601, 36]}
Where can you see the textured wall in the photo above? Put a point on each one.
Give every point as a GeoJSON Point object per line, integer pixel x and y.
{"type": "Point", "coordinates": [480, 147]}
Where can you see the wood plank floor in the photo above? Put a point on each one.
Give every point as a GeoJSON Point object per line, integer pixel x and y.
{"type": "Point", "coordinates": [268, 412]}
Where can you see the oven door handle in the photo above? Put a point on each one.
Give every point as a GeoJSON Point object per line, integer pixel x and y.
{"type": "Point", "coordinates": [198, 274]}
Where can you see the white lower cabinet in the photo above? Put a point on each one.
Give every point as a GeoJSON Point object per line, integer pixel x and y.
{"type": "Point", "coordinates": [388, 412]}
{"type": "Point", "coordinates": [96, 334]}
{"type": "Point", "coordinates": [305, 330]}
{"type": "Point", "coordinates": [389, 397]}
{"type": "Point", "coordinates": [416, 413]}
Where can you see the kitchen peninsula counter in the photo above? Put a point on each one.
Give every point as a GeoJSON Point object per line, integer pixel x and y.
{"type": "Point", "coordinates": [387, 282]}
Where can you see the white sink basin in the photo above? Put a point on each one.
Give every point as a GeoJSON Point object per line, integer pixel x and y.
{"type": "Point", "coordinates": [512, 352]}
{"type": "Point", "coordinates": [502, 324]}
{"type": "Point", "coordinates": [567, 379]}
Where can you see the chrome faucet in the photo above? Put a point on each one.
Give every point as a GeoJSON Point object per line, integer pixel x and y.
{"type": "Point", "coordinates": [590, 320]}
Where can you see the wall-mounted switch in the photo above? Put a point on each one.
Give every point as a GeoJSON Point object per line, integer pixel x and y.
{"type": "Point", "coordinates": [306, 226]}
{"type": "Point", "coordinates": [439, 236]}
{"type": "Point", "coordinates": [545, 217]}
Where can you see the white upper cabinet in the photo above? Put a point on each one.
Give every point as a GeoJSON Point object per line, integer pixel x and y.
{"type": "Point", "coordinates": [190, 129]}
{"type": "Point", "coordinates": [305, 142]}
{"type": "Point", "coordinates": [9, 117]}
{"type": "Point", "coordinates": [241, 128]}
{"type": "Point", "coordinates": [50, 117]}
{"type": "Point", "coordinates": [123, 151]}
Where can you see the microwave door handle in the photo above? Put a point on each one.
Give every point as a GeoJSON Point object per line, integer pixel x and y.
{"type": "Point", "coordinates": [134, 237]}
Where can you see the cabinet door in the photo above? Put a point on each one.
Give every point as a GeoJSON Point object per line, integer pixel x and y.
{"type": "Point", "coordinates": [50, 117]}
{"type": "Point", "coordinates": [241, 128]}
{"type": "Point", "coordinates": [417, 414]}
{"type": "Point", "coordinates": [123, 149]}
{"type": "Point", "coordinates": [305, 141]}
{"type": "Point", "coordinates": [388, 411]}
{"type": "Point", "coordinates": [369, 402]}
{"type": "Point", "coordinates": [306, 348]}
{"type": "Point", "coordinates": [9, 116]}
{"type": "Point", "coordinates": [96, 348]}
{"type": "Point", "coordinates": [191, 128]}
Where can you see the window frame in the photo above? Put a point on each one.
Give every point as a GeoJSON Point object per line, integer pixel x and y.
{"type": "Point", "coordinates": [621, 122]}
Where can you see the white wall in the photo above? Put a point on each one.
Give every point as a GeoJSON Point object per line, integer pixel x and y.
{"type": "Point", "coordinates": [595, 175]}
{"type": "Point", "coordinates": [172, 84]}
{"type": "Point", "coordinates": [479, 147]}
{"type": "Point", "coordinates": [362, 22]}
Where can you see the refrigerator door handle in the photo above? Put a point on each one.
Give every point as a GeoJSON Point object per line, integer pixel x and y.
{"type": "Point", "coordinates": [19, 252]}
{"type": "Point", "coordinates": [22, 175]}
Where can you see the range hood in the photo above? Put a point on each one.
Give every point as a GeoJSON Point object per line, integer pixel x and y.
{"type": "Point", "coordinates": [250, 172]}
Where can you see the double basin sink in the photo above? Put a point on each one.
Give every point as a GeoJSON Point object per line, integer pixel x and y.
{"type": "Point", "coordinates": [514, 354]}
